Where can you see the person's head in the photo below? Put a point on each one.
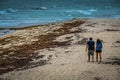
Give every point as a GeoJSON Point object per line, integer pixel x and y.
{"type": "Point", "coordinates": [98, 41]}
{"type": "Point", "coordinates": [90, 38]}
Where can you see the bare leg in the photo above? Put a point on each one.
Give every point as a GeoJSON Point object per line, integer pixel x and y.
{"type": "Point", "coordinates": [96, 56]}
{"type": "Point", "coordinates": [92, 58]}
{"type": "Point", "coordinates": [100, 56]}
{"type": "Point", "coordinates": [88, 57]}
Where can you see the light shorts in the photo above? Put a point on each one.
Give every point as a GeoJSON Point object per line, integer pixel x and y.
{"type": "Point", "coordinates": [90, 52]}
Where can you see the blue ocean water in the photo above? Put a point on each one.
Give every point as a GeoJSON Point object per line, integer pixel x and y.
{"type": "Point", "coordinates": [20, 13]}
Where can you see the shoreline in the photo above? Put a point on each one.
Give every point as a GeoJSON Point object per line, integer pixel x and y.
{"type": "Point", "coordinates": [57, 47]}
{"type": "Point", "coordinates": [6, 31]}
{"type": "Point", "coordinates": [26, 27]}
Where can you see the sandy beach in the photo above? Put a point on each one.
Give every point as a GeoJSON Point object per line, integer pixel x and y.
{"type": "Point", "coordinates": [56, 51]}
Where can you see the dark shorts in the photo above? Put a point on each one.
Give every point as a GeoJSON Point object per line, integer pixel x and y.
{"type": "Point", "coordinates": [98, 50]}
{"type": "Point", "coordinates": [90, 52]}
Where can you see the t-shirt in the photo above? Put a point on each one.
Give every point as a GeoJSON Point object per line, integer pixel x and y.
{"type": "Point", "coordinates": [98, 46]}
{"type": "Point", "coordinates": [91, 45]}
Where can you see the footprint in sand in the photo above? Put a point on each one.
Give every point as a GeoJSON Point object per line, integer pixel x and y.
{"type": "Point", "coordinates": [68, 51]}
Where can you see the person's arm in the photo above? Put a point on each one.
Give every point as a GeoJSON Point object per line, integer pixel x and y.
{"type": "Point", "coordinates": [102, 45]}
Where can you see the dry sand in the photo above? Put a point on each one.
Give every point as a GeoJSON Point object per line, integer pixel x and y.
{"type": "Point", "coordinates": [68, 62]}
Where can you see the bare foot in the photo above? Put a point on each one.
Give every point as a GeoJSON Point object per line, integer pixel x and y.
{"type": "Point", "coordinates": [99, 62]}
{"type": "Point", "coordinates": [88, 61]}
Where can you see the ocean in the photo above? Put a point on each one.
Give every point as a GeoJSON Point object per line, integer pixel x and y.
{"type": "Point", "coordinates": [20, 13]}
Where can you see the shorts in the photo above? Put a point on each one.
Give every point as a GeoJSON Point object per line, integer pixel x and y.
{"type": "Point", "coordinates": [98, 50]}
{"type": "Point", "coordinates": [90, 52]}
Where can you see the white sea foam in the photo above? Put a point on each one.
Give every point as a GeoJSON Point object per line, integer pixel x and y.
{"type": "Point", "coordinates": [43, 8]}
{"type": "Point", "coordinates": [2, 12]}
{"type": "Point", "coordinates": [93, 10]}
{"type": "Point", "coordinates": [10, 10]}
{"type": "Point", "coordinates": [85, 12]}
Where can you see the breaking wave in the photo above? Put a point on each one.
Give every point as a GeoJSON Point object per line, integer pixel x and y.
{"type": "Point", "coordinates": [9, 10]}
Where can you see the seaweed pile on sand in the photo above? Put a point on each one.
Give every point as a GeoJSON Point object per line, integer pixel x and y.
{"type": "Point", "coordinates": [19, 57]}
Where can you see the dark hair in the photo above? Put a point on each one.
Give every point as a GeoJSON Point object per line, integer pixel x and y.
{"type": "Point", "coordinates": [90, 38]}
{"type": "Point", "coordinates": [98, 41]}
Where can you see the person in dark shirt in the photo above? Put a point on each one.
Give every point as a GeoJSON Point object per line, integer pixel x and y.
{"type": "Point", "coordinates": [90, 47]}
{"type": "Point", "coordinates": [98, 49]}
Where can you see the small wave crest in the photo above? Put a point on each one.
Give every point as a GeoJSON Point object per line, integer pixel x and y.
{"type": "Point", "coordinates": [9, 10]}
{"type": "Point", "coordinates": [117, 16]}
{"type": "Point", "coordinates": [84, 12]}
{"type": "Point", "coordinates": [40, 8]}
{"type": "Point", "coordinates": [92, 10]}
{"type": "Point", "coordinates": [79, 11]}
{"type": "Point", "coordinates": [2, 12]}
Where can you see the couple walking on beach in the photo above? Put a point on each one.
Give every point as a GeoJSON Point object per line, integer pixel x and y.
{"type": "Point", "coordinates": [91, 47]}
